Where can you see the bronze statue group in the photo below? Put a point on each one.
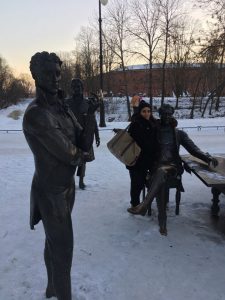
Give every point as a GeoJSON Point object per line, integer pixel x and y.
{"type": "Point", "coordinates": [60, 134]}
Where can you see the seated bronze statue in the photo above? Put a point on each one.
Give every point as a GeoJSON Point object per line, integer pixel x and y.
{"type": "Point", "coordinates": [168, 164]}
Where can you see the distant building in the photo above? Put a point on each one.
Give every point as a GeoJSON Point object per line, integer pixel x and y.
{"type": "Point", "coordinates": [179, 79]}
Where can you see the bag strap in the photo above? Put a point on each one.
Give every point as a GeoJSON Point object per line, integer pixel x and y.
{"type": "Point", "coordinates": [127, 127]}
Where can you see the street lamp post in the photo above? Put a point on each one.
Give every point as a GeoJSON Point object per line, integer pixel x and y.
{"type": "Point", "coordinates": [102, 108]}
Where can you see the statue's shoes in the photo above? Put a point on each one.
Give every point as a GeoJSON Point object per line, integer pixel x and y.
{"type": "Point", "coordinates": [50, 293]}
{"type": "Point", "coordinates": [163, 231]}
{"type": "Point", "coordinates": [138, 210]}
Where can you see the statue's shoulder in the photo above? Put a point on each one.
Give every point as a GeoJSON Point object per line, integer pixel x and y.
{"type": "Point", "coordinates": [182, 136]}
{"type": "Point", "coordinates": [34, 109]}
{"type": "Point", "coordinates": [37, 115]}
{"type": "Point", "coordinates": [180, 132]}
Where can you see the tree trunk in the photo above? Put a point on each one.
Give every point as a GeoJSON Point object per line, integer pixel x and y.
{"type": "Point", "coordinates": [126, 93]}
{"type": "Point", "coordinates": [206, 104]}
{"type": "Point", "coordinates": [164, 66]}
{"type": "Point", "coordinates": [194, 98]}
{"type": "Point", "coordinates": [150, 81]}
{"type": "Point", "coordinates": [177, 101]}
{"type": "Point", "coordinates": [220, 79]}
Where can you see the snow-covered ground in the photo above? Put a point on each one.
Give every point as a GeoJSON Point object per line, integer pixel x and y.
{"type": "Point", "coordinates": [117, 256]}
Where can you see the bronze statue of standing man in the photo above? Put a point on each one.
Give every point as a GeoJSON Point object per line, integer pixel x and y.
{"type": "Point", "coordinates": [82, 109]}
{"type": "Point", "coordinates": [57, 142]}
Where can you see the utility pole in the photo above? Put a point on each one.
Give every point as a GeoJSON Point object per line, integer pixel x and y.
{"type": "Point", "coordinates": [102, 108]}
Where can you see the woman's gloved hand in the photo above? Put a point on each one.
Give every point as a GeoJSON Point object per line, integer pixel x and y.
{"type": "Point", "coordinates": [97, 141]}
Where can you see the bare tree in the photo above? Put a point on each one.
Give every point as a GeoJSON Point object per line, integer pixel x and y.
{"type": "Point", "coordinates": [213, 56]}
{"type": "Point", "coordinates": [77, 64]}
{"type": "Point", "coordinates": [194, 97]}
{"type": "Point", "coordinates": [169, 11]}
{"type": "Point", "coordinates": [87, 47]}
{"type": "Point", "coordinates": [26, 82]}
{"type": "Point", "coordinates": [215, 40]}
{"type": "Point", "coordinates": [116, 24]}
{"type": "Point", "coordinates": [181, 56]}
{"type": "Point", "coordinates": [144, 27]}
{"type": "Point", "coordinates": [108, 63]}
{"type": "Point", "coordinates": [12, 89]}
{"type": "Point", "coordinates": [216, 8]}
{"type": "Point", "coordinates": [5, 78]}
{"type": "Point", "coordinates": [217, 46]}
{"type": "Point", "coordinates": [212, 94]}
{"type": "Point", "coordinates": [67, 71]}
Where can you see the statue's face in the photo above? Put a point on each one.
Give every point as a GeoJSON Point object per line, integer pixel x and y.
{"type": "Point", "coordinates": [49, 76]}
{"type": "Point", "coordinates": [77, 88]}
{"type": "Point", "coordinates": [166, 117]}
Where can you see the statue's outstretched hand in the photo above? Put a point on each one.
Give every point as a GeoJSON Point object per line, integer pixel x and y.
{"type": "Point", "coordinates": [93, 103]}
{"type": "Point", "coordinates": [212, 160]}
{"type": "Point", "coordinates": [95, 96]}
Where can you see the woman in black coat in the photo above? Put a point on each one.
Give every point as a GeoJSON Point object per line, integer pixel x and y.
{"type": "Point", "coordinates": [143, 131]}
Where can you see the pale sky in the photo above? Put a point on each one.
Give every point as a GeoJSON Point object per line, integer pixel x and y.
{"type": "Point", "coordinates": [29, 26]}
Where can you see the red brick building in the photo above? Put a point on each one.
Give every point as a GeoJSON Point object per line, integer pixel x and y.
{"type": "Point", "coordinates": [194, 78]}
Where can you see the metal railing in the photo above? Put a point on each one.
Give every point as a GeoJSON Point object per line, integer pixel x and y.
{"type": "Point", "coordinates": [198, 127]}
{"type": "Point", "coordinates": [9, 130]}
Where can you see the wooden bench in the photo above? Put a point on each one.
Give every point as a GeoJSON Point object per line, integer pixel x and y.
{"type": "Point", "coordinates": [210, 176]}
